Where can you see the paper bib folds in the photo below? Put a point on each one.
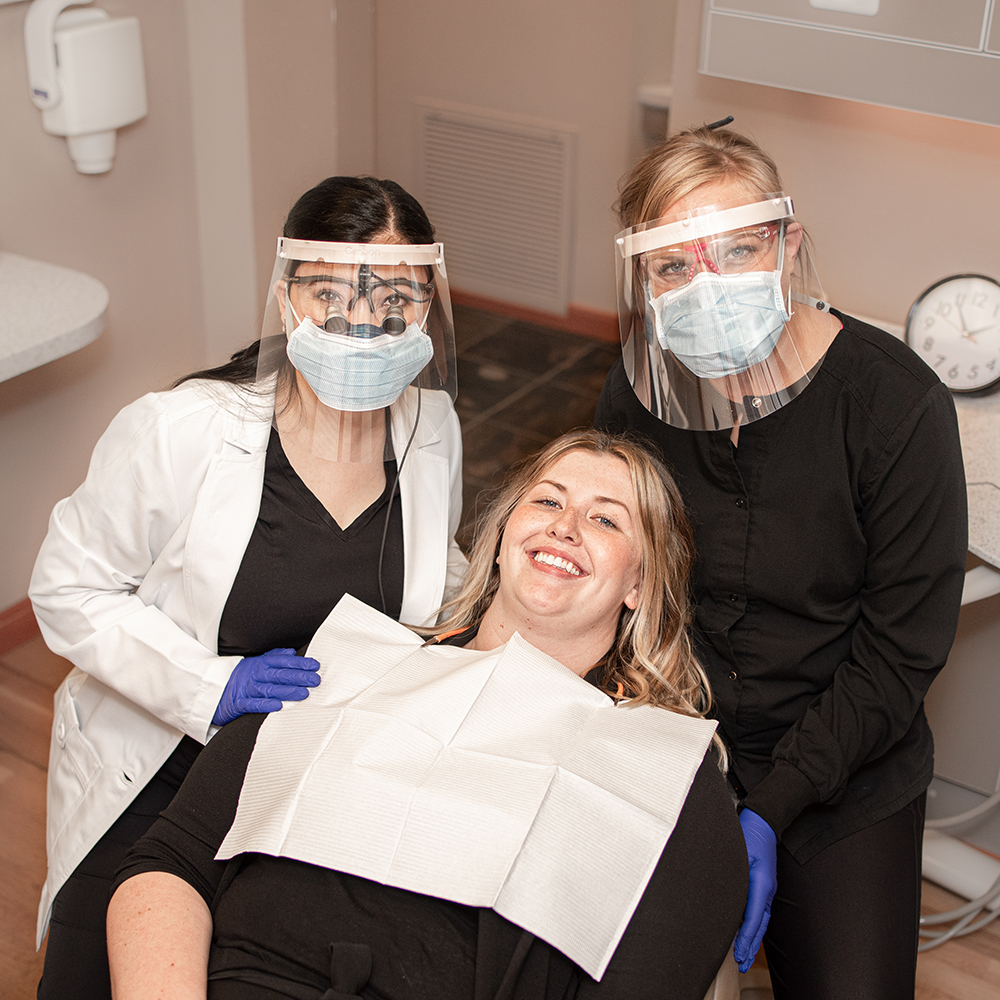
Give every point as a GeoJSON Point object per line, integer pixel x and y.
{"type": "Point", "coordinates": [490, 779]}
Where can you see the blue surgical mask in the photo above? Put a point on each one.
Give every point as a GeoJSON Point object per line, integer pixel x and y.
{"type": "Point", "coordinates": [358, 373]}
{"type": "Point", "coordinates": [720, 324]}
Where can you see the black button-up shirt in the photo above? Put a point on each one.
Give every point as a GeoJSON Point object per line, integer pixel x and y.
{"type": "Point", "coordinates": [831, 552]}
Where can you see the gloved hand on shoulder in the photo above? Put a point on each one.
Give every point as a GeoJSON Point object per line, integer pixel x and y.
{"type": "Point", "coordinates": [262, 683]}
{"type": "Point", "coordinates": [762, 853]}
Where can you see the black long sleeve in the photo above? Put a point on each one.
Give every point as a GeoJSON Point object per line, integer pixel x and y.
{"type": "Point", "coordinates": [831, 551]}
{"type": "Point", "coordinates": [187, 835]}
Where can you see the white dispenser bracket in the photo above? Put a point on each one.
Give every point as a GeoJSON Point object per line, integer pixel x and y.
{"type": "Point", "coordinates": [85, 74]}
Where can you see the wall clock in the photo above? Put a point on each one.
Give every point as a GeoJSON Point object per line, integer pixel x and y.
{"type": "Point", "coordinates": [954, 325]}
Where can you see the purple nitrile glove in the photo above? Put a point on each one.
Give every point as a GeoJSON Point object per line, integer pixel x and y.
{"type": "Point", "coordinates": [262, 683]}
{"type": "Point", "coordinates": [762, 853]}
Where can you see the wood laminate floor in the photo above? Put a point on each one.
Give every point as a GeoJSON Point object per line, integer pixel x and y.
{"type": "Point", "coordinates": [29, 675]}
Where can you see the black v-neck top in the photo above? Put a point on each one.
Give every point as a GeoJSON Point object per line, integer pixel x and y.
{"type": "Point", "coordinates": [299, 562]}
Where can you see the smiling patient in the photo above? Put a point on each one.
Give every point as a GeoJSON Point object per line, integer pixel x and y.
{"type": "Point", "coordinates": [585, 556]}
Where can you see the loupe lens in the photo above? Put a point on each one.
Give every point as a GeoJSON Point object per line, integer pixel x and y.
{"type": "Point", "coordinates": [394, 322]}
{"type": "Point", "coordinates": [335, 323]}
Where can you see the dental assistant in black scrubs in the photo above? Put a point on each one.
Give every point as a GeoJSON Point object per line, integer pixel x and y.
{"type": "Point", "coordinates": [819, 461]}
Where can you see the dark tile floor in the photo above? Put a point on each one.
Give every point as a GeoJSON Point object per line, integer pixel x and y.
{"type": "Point", "coordinates": [519, 386]}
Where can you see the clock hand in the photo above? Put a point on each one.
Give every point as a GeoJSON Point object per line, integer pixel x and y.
{"type": "Point", "coordinates": [961, 329]}
{"type": "Point", "coordinates": [965, 332]}
{"type": "Point", "coordinates": [982, 329]}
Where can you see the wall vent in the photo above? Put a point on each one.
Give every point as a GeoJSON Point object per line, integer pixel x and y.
{"type": "Point", "coordinates": [498, 189]}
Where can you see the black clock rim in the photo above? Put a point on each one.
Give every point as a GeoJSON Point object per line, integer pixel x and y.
{"type": "Point", "coordinates": [982, 390]}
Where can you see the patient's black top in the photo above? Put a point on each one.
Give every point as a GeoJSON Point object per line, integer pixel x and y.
{"type": "Point", "coordinates": [284, 928]}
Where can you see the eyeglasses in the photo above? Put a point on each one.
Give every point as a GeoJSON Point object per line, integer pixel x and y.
{"type": "Point", "coordinates": [728, 253]}
{"type": "Point", "coordinates": [395, 302]}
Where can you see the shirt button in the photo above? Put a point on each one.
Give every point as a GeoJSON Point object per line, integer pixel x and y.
{"type": "Point", "coordinates": [732, 675]}
{"type": "Point", "coordinates": [734, 597]}
{"type": "Point", "coordinates": [741, 502]}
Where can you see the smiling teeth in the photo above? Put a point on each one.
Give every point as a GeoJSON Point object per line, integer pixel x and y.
{"type": "Point", "coordinates": [551, 560]}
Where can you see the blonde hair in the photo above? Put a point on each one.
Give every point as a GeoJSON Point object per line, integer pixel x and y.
{"type": "Point", "coordinates": [676, 166]}
{"type": "Point", "coordinates": [651, 660]}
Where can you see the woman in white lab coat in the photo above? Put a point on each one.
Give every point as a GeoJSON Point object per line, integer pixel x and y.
{"type": "Point", "coordinates": [220, 521]}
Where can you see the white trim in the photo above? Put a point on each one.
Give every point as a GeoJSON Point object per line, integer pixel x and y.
{"type": "Point", "coordinates": [630, 243]}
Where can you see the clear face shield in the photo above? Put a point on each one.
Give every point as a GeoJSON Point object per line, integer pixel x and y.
{"type": "Point", "coordinates": [714, 306]}
{"type": "Point", "coordinates": [358, 323]}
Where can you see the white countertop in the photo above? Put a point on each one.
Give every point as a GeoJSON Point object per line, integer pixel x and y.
{"type": "Point", "coordinates": [46, 311]}
{"type": "Point", "coordinates": [979, 424]}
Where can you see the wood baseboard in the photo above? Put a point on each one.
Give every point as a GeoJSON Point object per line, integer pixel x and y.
{"type": "Point", "coordinates": [595, 323]}
{"type": "Point", "coordinates": [17, 625]}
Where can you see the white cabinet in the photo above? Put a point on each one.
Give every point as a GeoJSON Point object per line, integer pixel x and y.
{"type": "Point", "coordinates": [919, 55]}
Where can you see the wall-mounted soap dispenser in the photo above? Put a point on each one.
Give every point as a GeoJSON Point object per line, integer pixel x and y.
{"type": "Point", "coordinates": [85, 72]}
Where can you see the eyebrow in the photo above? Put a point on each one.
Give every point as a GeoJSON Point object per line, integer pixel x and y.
{"type": "Point", "coordinates": [562, 489]}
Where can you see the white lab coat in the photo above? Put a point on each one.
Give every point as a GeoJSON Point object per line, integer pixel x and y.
{"type": "Point", "coordinates": [132, 579]}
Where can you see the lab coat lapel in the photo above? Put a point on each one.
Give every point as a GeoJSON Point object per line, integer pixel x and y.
{"type": "Point", "coordinates": [425, 496]}
{"type": "Point", "coordinates": [222, 522]}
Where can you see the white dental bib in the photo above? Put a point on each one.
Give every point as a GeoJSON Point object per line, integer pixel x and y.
{"type": "Point", "coordinates": [494, 779]}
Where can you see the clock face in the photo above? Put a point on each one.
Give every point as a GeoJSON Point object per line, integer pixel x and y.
{"type": "Point", "coordinates": [955, 327]}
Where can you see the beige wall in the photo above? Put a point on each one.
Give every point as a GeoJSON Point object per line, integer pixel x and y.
{"type": "Point", "coordinates": [293, 114]}
{"type": "Point", "coordinates": [133, 229]}
{"type": "Point", "coordinates": [566, 61]}
{"type": "Point", "coordinates": [894, 199]}
{"type": "Point", "coordinates": [356, 69]}
{"type": "Point", "coordinates": [220, 126]}
{"type": "Point", "coordinates": [181, 231]}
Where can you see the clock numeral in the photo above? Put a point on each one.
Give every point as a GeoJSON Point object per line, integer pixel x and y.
{"type": "Point", "coordinates": [955, 327]}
